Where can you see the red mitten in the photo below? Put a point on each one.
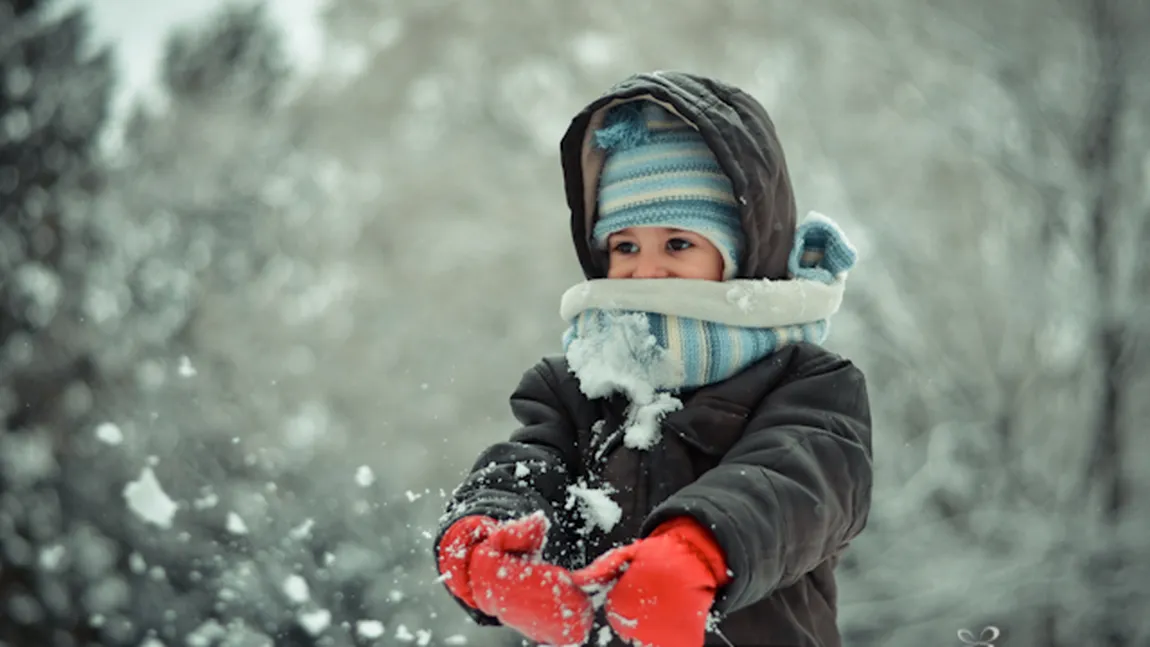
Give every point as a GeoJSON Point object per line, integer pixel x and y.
{"type": "Point", "coordinates": [666, 584]}
{"type": "Point", "coordinates": [454, 554]}
{"type": "Point", "coordinates": [510, 581]}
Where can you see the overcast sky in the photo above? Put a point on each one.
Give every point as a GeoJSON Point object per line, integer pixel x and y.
{"type": "Point", "coordinates": [136, 30]}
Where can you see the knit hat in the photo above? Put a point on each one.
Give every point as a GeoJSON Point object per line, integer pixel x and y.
{"type": "Point", "coordinates": [659, 172]}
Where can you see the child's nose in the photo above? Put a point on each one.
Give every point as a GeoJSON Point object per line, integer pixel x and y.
{"type": "Point", "coordinates": [650, 266]}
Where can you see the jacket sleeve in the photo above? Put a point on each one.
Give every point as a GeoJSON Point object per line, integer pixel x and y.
{"type": "Point", "coordinates": [794, 490]}
{"type": "Point", "coordinates": [527, 473]}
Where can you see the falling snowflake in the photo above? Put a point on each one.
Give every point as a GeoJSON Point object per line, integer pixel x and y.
{"type": "Point", "coordinates": [148, 500]}
{"type": "Point", "coordinates": [236, 525]}
{"type": "Point", "coordinates": [109, 433]}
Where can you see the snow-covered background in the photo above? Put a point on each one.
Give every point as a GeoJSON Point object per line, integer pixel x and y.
{"type": "Point", "coordinates": [267, 278]}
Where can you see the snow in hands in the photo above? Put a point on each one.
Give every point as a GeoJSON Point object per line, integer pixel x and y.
{"type": "Point", "coordinates": [595, 504]}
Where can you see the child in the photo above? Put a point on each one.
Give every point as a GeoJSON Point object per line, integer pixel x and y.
{"type": "Point", "coordinates": [690, 470]}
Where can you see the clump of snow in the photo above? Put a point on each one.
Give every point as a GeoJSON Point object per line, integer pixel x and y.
{"type": "Point", "coordinates": [412, 496]}
{"type": "Point", "coordinates": [151, 642]}
{"type": "Point", "coordinates": [314, 622]}
{"type": "Point", "coordinates": [642, 431]}
{"type": "Point", "coordinates": [369, 629]}
{"type": "Point", "coordinates": [750, 295]}
{"type": "Point", "coordinates": [596, 505]}
{"type": "Point", "coordinates": [761, 295]}
{"type": "Point", "coordinates": [148, 500]}
{"type": "Point", "coordinates": [616, 353]}
{"type": "Point", "coordinates": [109, 433]}
{"type": "Point", "coordinates": [364, 476]}
{"type": "Point", "coordinates": [302, 531]}
{"type": "Point", "coordinates": [403, 634]}
{"type": "Point", "coordinates": [521, 470]}
{"type": "Point", "coordinates": [208, 500]}
{"type": "Point", "coordinates": [740, 297]}
{"type": "Point", "coordinates": [236, 525]}
{"type": "Point", "coordinates": [296, 589]}
{"type": "Point", "coordinates": [185, 368]}
{"type": "Point", "coordinates": [455, 639]}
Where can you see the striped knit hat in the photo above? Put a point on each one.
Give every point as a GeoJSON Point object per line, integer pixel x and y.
{"type": "Point", "coordinates": [659, 172]}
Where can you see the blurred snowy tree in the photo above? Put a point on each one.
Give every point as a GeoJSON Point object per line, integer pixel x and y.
{"type": "Point", "coordinates": [1000, 310]}
{"type": "Point", "coordinates": [172, 481]}
{"type": "Point", "coordinates": [53, 100]}
{"type": "Point", "coordinates": [244, 65]}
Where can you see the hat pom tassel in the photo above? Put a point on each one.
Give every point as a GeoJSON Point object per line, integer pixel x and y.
{"type": "Point", "coordinates": [623, 128]}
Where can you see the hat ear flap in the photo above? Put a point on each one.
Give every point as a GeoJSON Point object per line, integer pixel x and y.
{"type": "Point", "coordinates": [821, 251]}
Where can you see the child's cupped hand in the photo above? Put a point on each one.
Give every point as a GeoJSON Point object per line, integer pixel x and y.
{"type": "Point", "coordinates": [661, 588]}
{"type": "Point", "coordinates": [497, 569]}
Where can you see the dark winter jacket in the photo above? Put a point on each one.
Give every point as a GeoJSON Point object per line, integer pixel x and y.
{"type": "Point", "coordinates": [776, 460]}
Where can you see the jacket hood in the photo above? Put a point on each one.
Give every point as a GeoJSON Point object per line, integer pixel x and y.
{"type": "Point", "coordinates": [739, 132]}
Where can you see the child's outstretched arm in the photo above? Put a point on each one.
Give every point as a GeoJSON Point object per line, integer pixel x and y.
{"type": "Point", "coordinates": [795, 489]}
{"type": "Point", "coordinates": [527, 474]}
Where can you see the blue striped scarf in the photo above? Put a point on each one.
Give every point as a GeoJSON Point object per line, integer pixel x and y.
{"type": "Point", "coordinates": [680, 353]}
{"type": "Point", "coordinates": [707, 352]}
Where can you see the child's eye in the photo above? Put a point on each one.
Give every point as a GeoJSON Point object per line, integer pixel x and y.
{"type": "Point", "coordinates": [679, 244]}
{"type": "Point", "coordinates": [625, 247]}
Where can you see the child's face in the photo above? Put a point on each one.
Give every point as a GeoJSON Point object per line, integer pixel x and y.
{"type": "Point", "coordinates": [662, 253]}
